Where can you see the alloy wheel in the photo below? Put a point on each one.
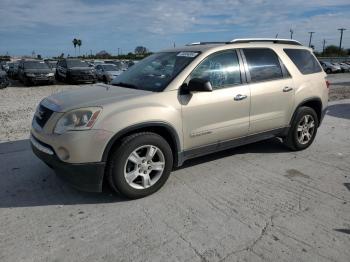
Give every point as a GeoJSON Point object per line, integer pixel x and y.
{"type": "Point", "coordinates": [305, 129]}
{"type": "Point", "coordinates": [144, 167]}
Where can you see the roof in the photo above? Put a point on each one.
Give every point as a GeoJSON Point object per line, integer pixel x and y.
{"type": "Point", "coordinates": [204, 46]}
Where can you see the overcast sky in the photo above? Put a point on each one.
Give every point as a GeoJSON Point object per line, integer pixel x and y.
{"type": "Point", "coordinates": [48, 26]}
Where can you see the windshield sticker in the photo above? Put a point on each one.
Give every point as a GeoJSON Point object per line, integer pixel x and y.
{"type": "Point", "coordinates": [188, 54]}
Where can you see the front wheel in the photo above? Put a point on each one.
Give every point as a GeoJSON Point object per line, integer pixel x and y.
{"type": "Point", "coordinates": [303, 129]}
{"type": "Point", "coordinates": [140, 165]}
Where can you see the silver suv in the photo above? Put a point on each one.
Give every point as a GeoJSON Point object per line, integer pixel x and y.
{"type": "Point", "coordinates": [179, 104]}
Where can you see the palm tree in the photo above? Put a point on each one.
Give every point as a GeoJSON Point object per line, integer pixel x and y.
{"type": "Point", "coordinates": [79, 43]}
{"type": "Point", "coordinates": [75, 42]}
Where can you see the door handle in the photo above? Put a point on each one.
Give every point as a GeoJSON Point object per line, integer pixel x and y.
{"type": "Point", "coordinates": [240, 97]}
{"type": "Point", "coordinates": [287, 89]}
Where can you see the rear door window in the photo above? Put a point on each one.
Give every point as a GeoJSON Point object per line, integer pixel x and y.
{"type": "Point", "coordinates": [304, 61]}
{"type": "Point", "coordinates": [263, 64]}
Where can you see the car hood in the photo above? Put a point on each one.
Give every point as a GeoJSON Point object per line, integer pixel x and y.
{"type": "Point", "coordinates": [94, 95]}
{"type": "Point", "coordinates": [115, 73]}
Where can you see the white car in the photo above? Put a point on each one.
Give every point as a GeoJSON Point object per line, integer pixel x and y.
{"type": "Point", "coordinates": [107, 72]}
{"type": "Point", "coordinates": [344, 67]}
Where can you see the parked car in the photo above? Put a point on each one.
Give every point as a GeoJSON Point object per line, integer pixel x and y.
{"type": "Point", "coordinates": [4, 81]}
{"type": "Point", "coordinates": [75, 71]}
{"type": "Point", "coordinates": [2, 65]}
{"type": "Point", "coordinates": [35, 72]}
{"type": "Point", "coordinates": [119, 64]}
{"type": "Point", "coordinates": [179, 104]}
{"type": "Point", "coordinates": [12, 72]}
{"type": "Point", "coordinates": [52, 64]}
{"type": "Point", "coordinates": [107, 72]}
{"type": "Point", "coordinates": [344, 67]}
{"type": "Point", "coordinates": [330, 68]}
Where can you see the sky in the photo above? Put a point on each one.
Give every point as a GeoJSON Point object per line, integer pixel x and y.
{"type": "Point", "coordinates": [48, 27]}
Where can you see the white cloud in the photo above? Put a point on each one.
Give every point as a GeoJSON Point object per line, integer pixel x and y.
{"type": "Point", "coordinates": [169, 17]}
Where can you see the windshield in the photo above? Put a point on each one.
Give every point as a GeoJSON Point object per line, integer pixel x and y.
{"type": "Point", "coordinates": [155, 72]}
{"type": "Point", "coordinates": [110, 68]}
{"type": "Point", "coordinates": [77, 63]}
{"type": "Point", "coordinates": [35, 65]}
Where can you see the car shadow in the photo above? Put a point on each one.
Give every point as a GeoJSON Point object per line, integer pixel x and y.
{"type": "Point", "coordinates": [273, 145]}
{"type": "Point", "coordinates": [339, 110]}
{"type": "Point", "coordinates": [26, 181]}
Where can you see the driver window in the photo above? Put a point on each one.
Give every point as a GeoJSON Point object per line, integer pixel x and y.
{"type": "Point", "coordinates": [220, 69]}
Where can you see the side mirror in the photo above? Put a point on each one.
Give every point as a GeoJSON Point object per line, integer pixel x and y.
{"type": "Point", "coordinates": [199, 85]}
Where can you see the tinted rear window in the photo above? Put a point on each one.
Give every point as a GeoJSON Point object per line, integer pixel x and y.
{"type": "Point", "coordinates": [304, 61]}
{"type": "Point", "coordinates": [263, 64]}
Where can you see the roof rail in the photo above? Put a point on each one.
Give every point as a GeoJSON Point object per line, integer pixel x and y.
{"type": "Point", "coordinates": [273, 40]}
{"type": "Point", "coordinates": [205, 43]}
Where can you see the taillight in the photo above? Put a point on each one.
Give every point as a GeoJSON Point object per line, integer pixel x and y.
{"type": "Point", "coordinates": [327, 83]}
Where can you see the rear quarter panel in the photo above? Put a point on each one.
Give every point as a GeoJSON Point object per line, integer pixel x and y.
{"type": "Point", "coordinates": [310, 86]}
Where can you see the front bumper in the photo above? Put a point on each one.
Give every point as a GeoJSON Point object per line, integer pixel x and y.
{"type": "Point", "coordinates": [85, 176]}
{"type": "Point", "coordinates": [83, 78]}
{"type": "Point", "coordinates": [38, 79]}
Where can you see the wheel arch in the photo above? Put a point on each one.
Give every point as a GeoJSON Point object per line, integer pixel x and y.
{"type": "Point", "coordinates": [313, 102]}
{"type": "Point", "coordinates": [163, 129]}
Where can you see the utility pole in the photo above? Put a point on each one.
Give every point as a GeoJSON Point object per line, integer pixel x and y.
{"type": "Point", "coordinates": [291, 33]}
{"type": "Point", "coordinates": [341, 37]}
{"type": "Point", "coordinates": [311, 33]}
{"type": "Point", "coordinates": [324, 44]}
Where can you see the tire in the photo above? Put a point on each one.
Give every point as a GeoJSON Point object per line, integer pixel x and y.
{"type": "Point", "coordinates": [58, 77]}
{"type": "Point", "coordinates": [120, 165]}
{"type": "Point", "coordinates": [105, 80]}
{"type": "Point", "coordinates": [27, 82]}
{"type": "Point", "coordinates": [297, 138]}
{"type": "Point", "coordinates": [328, 71]}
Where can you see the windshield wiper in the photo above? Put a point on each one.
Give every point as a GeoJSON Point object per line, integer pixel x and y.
{"type": "Point", "coordinates": [125, 85]}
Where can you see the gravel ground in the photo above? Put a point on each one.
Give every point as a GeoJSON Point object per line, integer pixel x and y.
{"type": "Point", "coordinates": [18, 104]}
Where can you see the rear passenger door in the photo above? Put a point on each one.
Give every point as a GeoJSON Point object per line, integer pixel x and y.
{"type": "Point", "coordinates": [272, 90]}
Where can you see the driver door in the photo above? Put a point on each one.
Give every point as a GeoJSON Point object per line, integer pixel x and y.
{"type": "Point", "coordinates": [211, 118]}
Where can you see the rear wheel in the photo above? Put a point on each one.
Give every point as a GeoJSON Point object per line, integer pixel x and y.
{"type": "Point", "coordinates": [303, 129]}
{"type": "Point", "coordinates": [328, 71]}
{"type": "Point", "coordinates": [140, 165]}
{"type": "Point", "coordinates": [104, 79]}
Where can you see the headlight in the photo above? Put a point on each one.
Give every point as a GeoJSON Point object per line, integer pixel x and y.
{"type": "Point", "coordinates": [50, 74]}
{"type": "Point", "coordinates": [30, 74]}
{"type": "Point", "coordinates": [79, 119]}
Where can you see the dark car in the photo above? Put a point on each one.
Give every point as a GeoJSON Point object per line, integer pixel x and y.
{"type": "Point", "coordinates": [75, 71]}
{"type": "Point", "coordinates": [4, 81]}
{"type": "Point", "coordinates": [12, 72]}
{"type": "Point", "coordinates": [35, 72]}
